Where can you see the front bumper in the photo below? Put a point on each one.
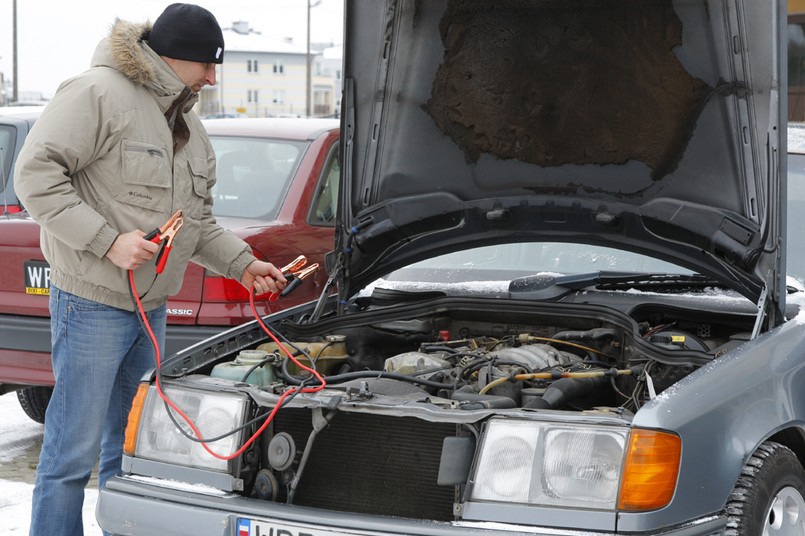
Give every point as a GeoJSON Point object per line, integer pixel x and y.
{"type": "Point", "coordinates": [131, 507]}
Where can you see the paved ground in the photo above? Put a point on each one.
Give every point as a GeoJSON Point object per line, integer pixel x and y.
{"type": "Point", "coordinates": [23, 467]}
{"type": "Point", "coordinates": [20, 441]}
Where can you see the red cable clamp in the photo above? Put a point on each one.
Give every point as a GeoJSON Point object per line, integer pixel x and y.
{"type": "Point", "coordinates": [165, 236]}
{"type": "Point", "coordinates": [294, 273]}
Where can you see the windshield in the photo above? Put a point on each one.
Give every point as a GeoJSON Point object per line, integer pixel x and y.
{"type": "Point", "coordinates": [504, 262]}
{"type": "Point", "coordinates": [497, 265]}
{"type": "Point", "coordinates": [795, 253]}
{"type": "Point", "coordinates": [253, 175]}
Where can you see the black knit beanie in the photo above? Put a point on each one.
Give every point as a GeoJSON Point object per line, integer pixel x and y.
{"type": "Point", "coordinates": [187, 32]}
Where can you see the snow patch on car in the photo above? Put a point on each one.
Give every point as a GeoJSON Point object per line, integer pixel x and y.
{"type": "Point", "coordinates": [474, 287]}
{"type": "Point", "coordinates": [179, 485]}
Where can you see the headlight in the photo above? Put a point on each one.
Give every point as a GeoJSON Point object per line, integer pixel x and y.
{"type": "Point", "coordinates": [213, 414]}
{"type": "Point", "coordinates": [580, 466]}
{"type": "Point", "coordinates": [550, 464]}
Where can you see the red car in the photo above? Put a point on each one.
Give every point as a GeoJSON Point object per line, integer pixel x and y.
{"type": "Point", "coordinates": [276, 187]}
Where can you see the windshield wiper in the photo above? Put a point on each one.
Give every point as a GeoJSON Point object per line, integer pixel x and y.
{"type": "Point", "coordinates": [659, 282]}
{"type": "Point", "coordinates": [606, 280]}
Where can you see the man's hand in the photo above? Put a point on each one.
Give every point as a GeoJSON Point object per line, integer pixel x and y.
{"type": "Point", "coordinates": [264, 277]}
{"type": "Point", "coordinates": [130, 250]}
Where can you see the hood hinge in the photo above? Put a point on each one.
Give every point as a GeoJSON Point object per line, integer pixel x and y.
{"type": "Point", "coordinates": [762, 304]}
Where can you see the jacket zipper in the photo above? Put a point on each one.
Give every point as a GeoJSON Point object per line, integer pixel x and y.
{"type": "Point", "coordinates": [152, 152]}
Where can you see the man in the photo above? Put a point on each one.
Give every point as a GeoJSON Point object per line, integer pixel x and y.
{"type": "Point", "coordinates": [113, 155]}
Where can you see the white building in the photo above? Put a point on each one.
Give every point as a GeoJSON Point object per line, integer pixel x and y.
{"type": "Point", "coordinates": [330, 65]}
{"type": "Point", "coordinates": [262, 77]}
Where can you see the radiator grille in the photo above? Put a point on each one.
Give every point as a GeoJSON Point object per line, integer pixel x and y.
{"type": "Point", "coordinates": [372, 464]}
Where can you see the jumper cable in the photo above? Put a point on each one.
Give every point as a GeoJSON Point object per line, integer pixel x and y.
{"type": "Point", "coordinates": [294, 273]}
{"type": "Point", "coordinates": [165, 236]}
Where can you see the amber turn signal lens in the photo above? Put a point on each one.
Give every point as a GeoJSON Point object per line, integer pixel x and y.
{"type": "Point", "coordinates": [134, 419]}
{"type": "Point", "coordinates": [650, 470]}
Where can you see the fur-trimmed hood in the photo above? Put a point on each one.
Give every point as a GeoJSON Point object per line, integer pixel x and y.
{"type": "Point", "coordinates": [123, 50]}
{"type": "Point", "coordinates": [126, 49]}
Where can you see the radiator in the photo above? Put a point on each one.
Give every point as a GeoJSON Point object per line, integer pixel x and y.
{"type": "Point", "coordinates": [372, 464]}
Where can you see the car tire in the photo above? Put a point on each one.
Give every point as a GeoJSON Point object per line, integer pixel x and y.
{"type": "Point", "coordinates": [34, 402]}
{"type": "Point", "coordinates": [769, 497]}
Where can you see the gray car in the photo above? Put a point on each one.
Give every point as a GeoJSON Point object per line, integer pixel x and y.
{"type": "Point", "coordinates": [559, 301]}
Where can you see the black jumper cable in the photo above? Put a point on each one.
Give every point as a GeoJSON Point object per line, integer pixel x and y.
{"type": "Point", "coordinates": [293, 272]}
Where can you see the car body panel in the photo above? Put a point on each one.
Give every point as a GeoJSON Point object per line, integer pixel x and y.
{"type": "Point", "coordinates": [218, 516]}
{"type": "Point", "coordinates": [751, 395]}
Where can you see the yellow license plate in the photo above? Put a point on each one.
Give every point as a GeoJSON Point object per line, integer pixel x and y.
{"type": "Point", "coordinates": [37, 278]}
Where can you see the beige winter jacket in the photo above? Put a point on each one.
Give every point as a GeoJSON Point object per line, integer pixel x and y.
{"type": "Point", "coordinates": [100, 162]}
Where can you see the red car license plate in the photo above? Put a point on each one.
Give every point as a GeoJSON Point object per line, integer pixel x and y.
{"type": "Point", "coordinates": [37, 278]}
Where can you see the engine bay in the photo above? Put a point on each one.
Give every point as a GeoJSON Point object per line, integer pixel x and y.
{"type": "Point", "coordinates": [464, 355]}
{"type": "Point", "coordinates": [399, 394]}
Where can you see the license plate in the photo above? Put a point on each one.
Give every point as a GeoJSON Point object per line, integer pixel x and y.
{"type": "Point", "coordinates": [253, 527]}
{"type": "Point", "coordinates": [37, 278]}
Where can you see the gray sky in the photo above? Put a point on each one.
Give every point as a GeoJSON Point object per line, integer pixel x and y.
{"type": "Point", "coordinates": [56, 38]}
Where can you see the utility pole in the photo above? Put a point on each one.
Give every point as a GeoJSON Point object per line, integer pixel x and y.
{"type": "Point", "coordinates": [309, 60]}
{"type": "Point", "coordinates": [14, 50]}
{"type": "Point", "coordinates": [307, 66]}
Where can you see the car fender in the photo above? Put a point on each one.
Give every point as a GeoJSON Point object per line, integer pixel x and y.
{"type": "Point", "coordinates": [723, 412]}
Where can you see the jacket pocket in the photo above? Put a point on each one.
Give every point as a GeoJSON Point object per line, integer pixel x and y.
{"type": "Point", "coordinates": [146, 176]}
{"type": "Point", "coordinates": [199, 176]}
{"type": "Point", "coordinates": [199, 172]}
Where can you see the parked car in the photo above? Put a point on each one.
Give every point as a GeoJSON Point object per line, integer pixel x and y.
{"type": "Point", "coordinates": [273, 189]}
{"type": "Point", "coordinates": [562, 300]}
{"type": "Point", "coordinates": [222, 115]}
{"type": "Point", "coordinates": [33, 102]}
{"type": "Point", "coordinates": [15, 123]}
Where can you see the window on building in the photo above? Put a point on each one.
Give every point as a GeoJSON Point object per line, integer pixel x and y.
{"type": "Point", "coordinates": [279, 96]}
{"type": "Point", "coordinates": [279, 67]}
{"type": "Point", "coordinates": [252, 96]}
{"type": "Point", "coordinates": [251, 66]}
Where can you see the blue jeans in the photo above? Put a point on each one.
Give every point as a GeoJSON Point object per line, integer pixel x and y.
{"type": "Point", "coordinates": [100, 353]}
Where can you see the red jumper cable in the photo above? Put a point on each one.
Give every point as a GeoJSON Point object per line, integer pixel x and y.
{"type": "Point", "coordinates": [165, 236]}
{"type": "Point", "coordinates": [292, 272]}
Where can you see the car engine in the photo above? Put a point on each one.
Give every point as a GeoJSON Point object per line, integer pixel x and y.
{"type": "Point", "coordinates": [471, 360]}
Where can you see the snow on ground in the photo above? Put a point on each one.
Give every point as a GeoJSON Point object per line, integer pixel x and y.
{"type": "Point", "coordinates": [19, 434]}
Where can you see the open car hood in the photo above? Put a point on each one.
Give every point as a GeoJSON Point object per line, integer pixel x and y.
{"type": "Point", "coordinates": [647, 125]}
